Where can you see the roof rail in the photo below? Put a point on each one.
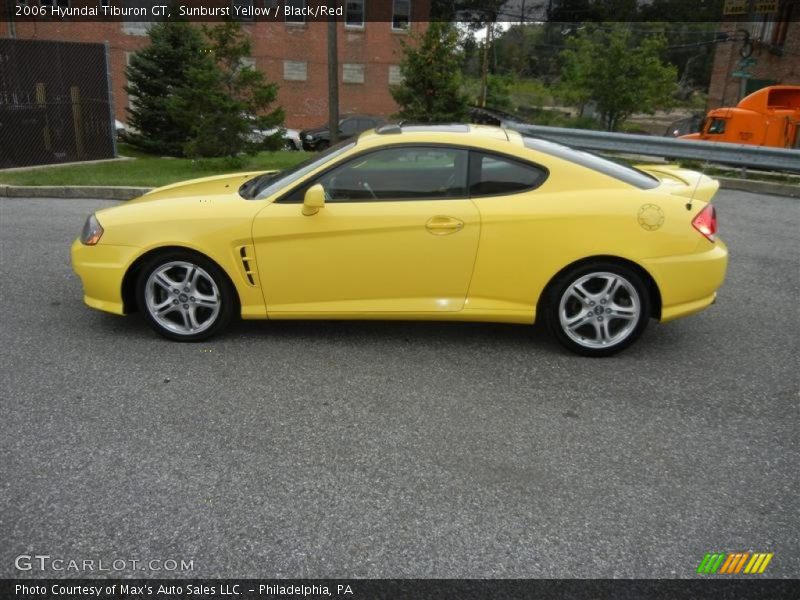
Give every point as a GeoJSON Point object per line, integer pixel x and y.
{"type": "Point", "coordinates": [388, 129]}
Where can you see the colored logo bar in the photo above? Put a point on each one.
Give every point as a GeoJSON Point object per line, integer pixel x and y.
{"type": "Point", "coordinates": [734, 563]}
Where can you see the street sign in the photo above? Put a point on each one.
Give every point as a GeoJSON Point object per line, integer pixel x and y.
{"type": "Point", "coordinates": [741, 74]}
{"type": "Point", "coordinates": [747, 62]}
{"type": "Point", "coordinates": [768, 6]}
{"type": "Point", "coordinates": [735, 7]}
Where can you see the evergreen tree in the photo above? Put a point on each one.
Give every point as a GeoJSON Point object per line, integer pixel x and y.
{"type": "Point", "coordinates": [234, 100]}
{"type": "Point", "coordinates": [154, 73]}
{"type": "Point", "coordinates": [431, 87]}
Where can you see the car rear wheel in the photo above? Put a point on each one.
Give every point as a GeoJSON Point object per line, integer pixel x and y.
{"type": "Point", "coordinates": [598, 309]}
{"type": "Point", "coordinates": [184, 296]}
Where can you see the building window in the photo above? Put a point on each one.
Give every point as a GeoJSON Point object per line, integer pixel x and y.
{"type": "Point", "coordinates": [293, 11]}
{"type": "Point", "coordinates": [136, 27]}
{"type": "Point", "coordinates": [395, 75]}
{"type": "Point", "coordinates": [763, 28]}
{"type": "Point", "coordinates": [784, 19]}
{"type": "Point", "coordinates": [353, 73]}
{"type": "Point", "coordinates": [354, 13]}
{"type": "Point", "coordinates": [295, 70]}
{"type": "Point", "coordinates": [241, 10]}
{"type": "Point", "coordinates": [401, 15]}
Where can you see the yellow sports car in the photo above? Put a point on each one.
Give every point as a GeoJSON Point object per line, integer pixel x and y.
{"type": "Point", "coordinates": [437, 222]}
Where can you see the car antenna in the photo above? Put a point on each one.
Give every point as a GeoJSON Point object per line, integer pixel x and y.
{"type": "Point", "coordinates": [696, 185]}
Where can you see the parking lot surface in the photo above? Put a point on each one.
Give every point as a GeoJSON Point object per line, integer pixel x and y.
{"type": "Point", "coordinates": [366, 449]}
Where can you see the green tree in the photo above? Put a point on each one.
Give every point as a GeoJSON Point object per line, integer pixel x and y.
{"type": "Point", "coordinates": [154, 73]}
{"type": "Point", "coordinates": [498, 94]}
{"type": "Point", "coordinates": [431, 88]}
{"type": "Point", "coordinates": [235, 99]}
{"type": "Point", "coordinates": [622, 77]}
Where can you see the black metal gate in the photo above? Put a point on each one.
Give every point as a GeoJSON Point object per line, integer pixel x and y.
{"type": "Point", "coordinates": [54, 103]}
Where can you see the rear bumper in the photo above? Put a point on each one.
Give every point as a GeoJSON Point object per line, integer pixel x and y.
{"type": "Point", "coordinates": [689, 283]}
{"type": "Point", "coordinates": [101, 269]}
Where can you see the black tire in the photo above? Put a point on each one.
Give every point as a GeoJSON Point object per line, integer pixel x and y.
{"type": "Point", "coordinates": [323, 145]}
{"type": "Point", "coordinates": [617, 323]}
{"type": "Point", "coordinates": [196, 298]}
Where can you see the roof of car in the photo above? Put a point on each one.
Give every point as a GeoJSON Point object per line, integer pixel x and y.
{"type": "Point", "coordinates": [487, 131]}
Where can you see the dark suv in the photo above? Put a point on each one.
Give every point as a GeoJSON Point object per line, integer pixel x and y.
{"type": "Point", "coordinates": [319, 138]}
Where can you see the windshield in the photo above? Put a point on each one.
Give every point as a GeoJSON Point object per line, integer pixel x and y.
{"type": "Point", "coordinates": [267, 184]}
{"type": "Point", "coordinates": [592, 161]}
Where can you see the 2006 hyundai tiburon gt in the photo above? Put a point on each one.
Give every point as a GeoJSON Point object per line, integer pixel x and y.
{"type": "Point", "coordinates": [447, 222]}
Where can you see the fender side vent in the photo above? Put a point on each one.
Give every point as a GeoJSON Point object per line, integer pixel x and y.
{"type": "Point", "coordinates": [248, 264]}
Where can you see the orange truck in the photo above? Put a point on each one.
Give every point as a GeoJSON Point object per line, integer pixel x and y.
{"type": "Point", "coordinates": [768, 117]}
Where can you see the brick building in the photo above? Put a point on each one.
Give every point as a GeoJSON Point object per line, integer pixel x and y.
{"type": "Point", "coordinates": [774, 31]}
{"type": "Point", "coordinates": [291, 52]}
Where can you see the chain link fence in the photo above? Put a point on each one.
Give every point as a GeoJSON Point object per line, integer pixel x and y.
{"type": "Point", "coordinates": [55, 104]}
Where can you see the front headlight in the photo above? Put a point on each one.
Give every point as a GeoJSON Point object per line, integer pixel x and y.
{"type": "Point", "coordinates": [92, 231]}
{"type": "Point", "coordinates": [309, 137]}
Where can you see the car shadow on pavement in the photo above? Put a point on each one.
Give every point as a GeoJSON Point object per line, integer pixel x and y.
{"type": "Point", "coordinates": [396, 332]}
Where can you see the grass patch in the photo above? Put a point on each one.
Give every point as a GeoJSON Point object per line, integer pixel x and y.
{"type": "Point", "coordinates": [148, 171]}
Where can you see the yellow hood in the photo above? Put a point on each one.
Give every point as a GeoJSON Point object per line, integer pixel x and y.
{"type": "Point", "coordinates": [217, 185]}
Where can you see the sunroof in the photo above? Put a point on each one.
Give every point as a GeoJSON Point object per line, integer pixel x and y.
{"type": "Point", "coordinates": [444, 128]}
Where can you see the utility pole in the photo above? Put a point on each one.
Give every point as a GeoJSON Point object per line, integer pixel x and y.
{"type": "Point", "coordinates": [751, 17]}
{"type": "Point", "coordinates": [485, 69]}
{"type": "Point", "coordinates": [333, 77]}
{"type": "Point", "coordinates": [12, 27]}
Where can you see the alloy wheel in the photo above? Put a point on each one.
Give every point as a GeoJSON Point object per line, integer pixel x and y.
{"type": "Point", "coordinates": [182, 297]}
{"type": "Point", "coordinates": [599, 310]}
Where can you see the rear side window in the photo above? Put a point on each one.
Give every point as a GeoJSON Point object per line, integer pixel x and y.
{"type": "Point", "coordinates": [349, 126]}
{"type": "Point", "coordinates": [597, 163]}
{"type": "Point", "coordinates": [493, 175]}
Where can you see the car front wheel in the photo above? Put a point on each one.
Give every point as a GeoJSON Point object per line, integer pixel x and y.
{"type": "Point", "coordinates": [598, 309]}
{"type": "Point", "coordinates": [184, 296]}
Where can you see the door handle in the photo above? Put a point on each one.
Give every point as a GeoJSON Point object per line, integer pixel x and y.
{"type": "Point", "coordinates": [442, 225]}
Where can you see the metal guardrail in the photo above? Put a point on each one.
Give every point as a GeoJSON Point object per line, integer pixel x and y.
{"type": "Point", "coordinates": [742, 155]}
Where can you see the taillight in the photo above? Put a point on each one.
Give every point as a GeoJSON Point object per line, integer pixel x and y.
{"type": "Point", "coordinates": [706, 222]}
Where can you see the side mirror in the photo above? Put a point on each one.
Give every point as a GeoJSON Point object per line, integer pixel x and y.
{"type": "Point", "coordinates": [313, 200]}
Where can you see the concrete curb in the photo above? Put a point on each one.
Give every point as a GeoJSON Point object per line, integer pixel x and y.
{"type": "Point", "coordinates": [127, 193]}
{"type": "Point", "coordinates": [759, 187]}
{"type": "Point", "coordinates": [72, 191]}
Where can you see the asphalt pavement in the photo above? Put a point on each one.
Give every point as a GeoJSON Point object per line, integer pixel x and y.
{"type": "Point", "coordinates": [367, 449]}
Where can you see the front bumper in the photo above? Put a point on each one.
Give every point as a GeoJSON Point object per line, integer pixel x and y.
{"type": "Point", "coordinates": [101, 269]}
{"type": "Point", "coordinates": [312, 146]}
{"type": "Point", "coordinates": [689, 283]}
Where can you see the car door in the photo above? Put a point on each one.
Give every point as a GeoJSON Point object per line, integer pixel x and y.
{"type": "Point", "coordinates": [397, 235]}
{"type": "Point", "coordinates": [518, 224]}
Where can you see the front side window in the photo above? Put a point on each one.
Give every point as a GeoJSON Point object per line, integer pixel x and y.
{"type": "Point", "coordinates": [354, 13]}
{"type": "Point", "coordinates": [406, 173]}
{"type": "Point", "coordinates": [401, 14]}
{"type": "Point", "coordinates": [492, 175]}
{"type": "Point", "coordinates": [717, 126]}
